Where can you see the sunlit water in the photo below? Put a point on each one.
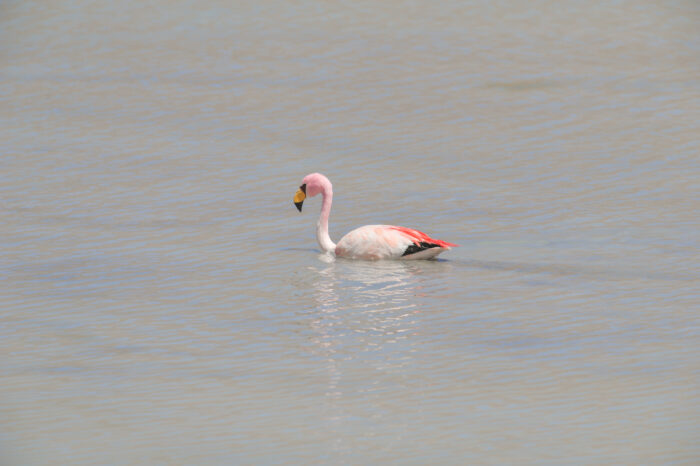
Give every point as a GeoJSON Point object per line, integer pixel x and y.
{"type": "Point", "coordinates": [164, 302]}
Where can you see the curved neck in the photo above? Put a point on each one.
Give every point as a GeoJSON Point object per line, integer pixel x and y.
{"type": "Point", "coordinates": [324, 240]}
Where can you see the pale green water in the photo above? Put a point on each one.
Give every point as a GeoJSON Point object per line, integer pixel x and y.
{"type": "Point", "coordinates": [163, 301]}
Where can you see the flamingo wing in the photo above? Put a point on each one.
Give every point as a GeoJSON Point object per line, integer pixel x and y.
{"type": "Point", "coordinates": [421, 240]}
{"type": "Point", "coordinates": [375, 242]}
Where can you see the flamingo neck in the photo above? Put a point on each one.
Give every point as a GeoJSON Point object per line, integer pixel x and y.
{"type": "Point", "coordinates": [324, 240]}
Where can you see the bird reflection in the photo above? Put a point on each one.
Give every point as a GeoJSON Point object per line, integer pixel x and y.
{"type": "Point", "coordinates": [365, 324]}
{"type": "Point", "coordinates": [364, 306]}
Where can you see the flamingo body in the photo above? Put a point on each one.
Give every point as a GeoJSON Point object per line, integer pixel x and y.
{"type": "Point", "coordinates": [374, 242]}
{"type": "Point", "coordinates": [370, 242]}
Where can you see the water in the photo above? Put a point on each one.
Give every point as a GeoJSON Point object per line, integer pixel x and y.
{"type": "Point", "coordinates": [164, 302]}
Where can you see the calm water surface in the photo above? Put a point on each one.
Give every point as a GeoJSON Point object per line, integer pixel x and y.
{"type": "Point", "coordinates": [162, 301]}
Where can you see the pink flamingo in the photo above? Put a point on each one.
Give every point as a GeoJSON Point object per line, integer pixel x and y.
{"type": "Point", "coordinates": [370, 242]}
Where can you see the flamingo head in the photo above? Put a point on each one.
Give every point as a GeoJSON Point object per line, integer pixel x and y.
{"type": "Point", "coordinates": [311, 185]}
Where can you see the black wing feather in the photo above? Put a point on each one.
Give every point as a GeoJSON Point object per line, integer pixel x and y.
{"type": "Point", "coordinates": [422, 246]}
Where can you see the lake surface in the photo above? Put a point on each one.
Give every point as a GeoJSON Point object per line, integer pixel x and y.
{"type": "Point", "coordinates": [163, 302]}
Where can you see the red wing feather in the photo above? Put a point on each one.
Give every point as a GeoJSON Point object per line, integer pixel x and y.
{"type": "Point", "coordinates": [420, 237]}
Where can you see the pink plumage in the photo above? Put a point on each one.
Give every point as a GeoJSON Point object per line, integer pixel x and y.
{"type": "Point", "coordinates": [370, 242]}
{"type": "Point", "coordinates": [420, 237]}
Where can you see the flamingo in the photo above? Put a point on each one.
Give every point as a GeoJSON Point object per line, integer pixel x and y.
{"type": "Point", "coordinates": [370, 242]}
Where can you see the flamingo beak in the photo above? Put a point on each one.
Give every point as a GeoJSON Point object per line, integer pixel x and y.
{"type": "Point", "coordinates": [300, 196]}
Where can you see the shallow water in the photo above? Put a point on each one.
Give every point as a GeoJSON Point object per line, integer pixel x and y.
{"type": "Point", "coordinates": [163, 300]}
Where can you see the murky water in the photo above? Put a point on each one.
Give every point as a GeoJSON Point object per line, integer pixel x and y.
{"type": "Point", "coordinates": [164, 302]}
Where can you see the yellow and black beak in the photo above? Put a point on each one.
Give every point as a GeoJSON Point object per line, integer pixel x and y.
{"type": "Point", "coordinates": [300, 196]}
